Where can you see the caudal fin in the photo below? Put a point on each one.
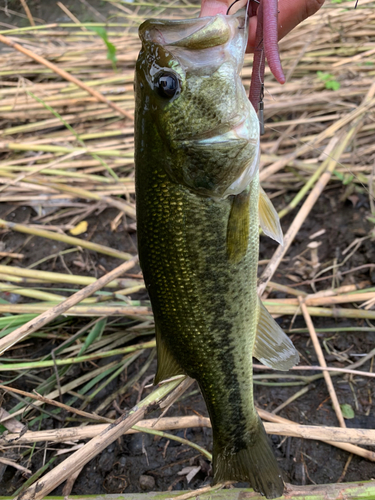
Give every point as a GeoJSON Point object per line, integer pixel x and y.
{"type": "Point", "coordinates": [255, 463]}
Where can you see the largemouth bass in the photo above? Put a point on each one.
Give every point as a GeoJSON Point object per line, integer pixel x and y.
{"type": "Point", "coordinates": [199, 206]}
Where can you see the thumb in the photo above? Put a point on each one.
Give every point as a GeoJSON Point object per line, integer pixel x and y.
{"type": "Point", "coordinates": [293, 12]}
{"type": "Point", "coordinates": [213, 7]}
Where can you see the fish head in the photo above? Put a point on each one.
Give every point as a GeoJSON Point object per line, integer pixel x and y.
{"type": "Point", "coordinates": [188, 84]}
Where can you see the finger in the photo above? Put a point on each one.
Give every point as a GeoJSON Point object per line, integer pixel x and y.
{"type": "Point", "coordinates": [293, 12]}
{"type": "Point", "coordinates": [213, 7]}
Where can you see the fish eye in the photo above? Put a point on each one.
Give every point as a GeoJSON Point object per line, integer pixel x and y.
{"type": "Point", "coordinates": [167, 85]}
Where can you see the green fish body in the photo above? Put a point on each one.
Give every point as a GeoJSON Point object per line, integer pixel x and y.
{"type": "Point", "coordinates": [199, 206]}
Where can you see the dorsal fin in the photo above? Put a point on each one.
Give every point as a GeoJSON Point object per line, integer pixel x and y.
{"type": "Point", "coordinates": [268, 218]}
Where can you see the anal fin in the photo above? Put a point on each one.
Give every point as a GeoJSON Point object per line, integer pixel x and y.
{"type": "Point", "coordinates": [167, 365]}
{"type": "Point", "coordinates": [268, 218]}
{"type": "Point", "coordinates": [272, 347]}
{"type": "Point", "coordinates": [238, 227]}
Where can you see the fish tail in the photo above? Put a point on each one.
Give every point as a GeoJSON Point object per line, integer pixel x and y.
{"type": "Point", "coordinates": [255, 463]}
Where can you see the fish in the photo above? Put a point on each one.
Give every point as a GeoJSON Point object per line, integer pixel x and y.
{"type": "Point", "coordinates": [199, 207]}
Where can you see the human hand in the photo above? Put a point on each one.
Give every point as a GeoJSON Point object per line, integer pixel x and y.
{"type": "Point", "coordinates": [268, 23]}
{"type": "Point", "coordinates": [291, 13]}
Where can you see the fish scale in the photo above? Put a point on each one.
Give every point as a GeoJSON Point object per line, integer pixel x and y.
{"type": "Point", "coordinates": [193, 301]}
{"type": "Point", "coordinates": [199, 206]}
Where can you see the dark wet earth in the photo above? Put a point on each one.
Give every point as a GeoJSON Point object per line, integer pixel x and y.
{"type": "Point", "coordinates": [143, 462]}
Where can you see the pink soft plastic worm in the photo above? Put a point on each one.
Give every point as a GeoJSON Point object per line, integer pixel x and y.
{"type": "Point", "coordinates": [266, 45]}
{"type": "Point", "coordinates": [270, 38]}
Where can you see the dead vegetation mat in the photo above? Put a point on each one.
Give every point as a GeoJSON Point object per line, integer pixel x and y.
{"type": "Point", "coordinates": [76, 328]}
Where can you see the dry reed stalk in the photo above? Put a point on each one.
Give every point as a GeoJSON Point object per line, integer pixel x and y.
{"type": "Point", "coordinates": [28, 13]}
{"type": "Point", "coordinates": [52, 402]}
{"type": "Point", "coordinates": [70, 15]}
{"type": "Point", "coordinates": [323, 368]}
{"type": "Point", "coordinates": [314, 432]}
{"type": "Point", "coordinates": [68, 387]}
{"type": "Point", "coordinates": [70, 240]}
{"type": "Point", "coordinates": [120, 310]}
{"type": "Point", "coordinates": [351, 448]}
{"type": "Point", "coordinates": [124, 207]}
{"type": "Point", "coordinates": [293, 398]}
{"type": "Point", "coordinates": [68, 486]}
{"type": "Point", "coordinates": [53, 277]}
{"type": "Point", "coordinates": [61, 472]}
{"type": "Point", "coordinates": [325, 110]}
{"type": "Point", "coordinates": [283, 288]}
{"type": "Point", "coordinates": [70, 361]}
{"type": "Point", "coordinates": [306, 208]}
{"type": "Point", "coordinates": [349, 491]}
{"type": "Point", "coordinates": [11, 423]}
{"type": "Point", "coordinates": [201, 491]}
{"type": "Point", "coordinates": [12, 255]}
{"type": "Point", "coordinates": [322, 362]}
{"type": "Point", "coordinates": [367, 104]}
{"type": "Point", "coordinates": [16, 146]}
{"type": "Point", "coordinates": [363, 490]}
{"type": "Point", "coordinates": [12, 463]}
{"type": "Point", "coordinates": [65, 75]}
{"type": "Point", "coordinates": [330, 300]}
{"type": "Point", "coordinates": [279, 308]}
{"type": "Point", "coordinates": [52, 313]}
{"type": "Point", "coordinates": [32, 293]}
{"type": "Point", "coordinates": [124, 310]}
{"type": "Point", "coordinates": [345, 289]}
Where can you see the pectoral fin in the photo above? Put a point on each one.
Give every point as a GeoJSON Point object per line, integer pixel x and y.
{"type": "Point", "coordinates": [167, 365]}
{"type": "Point", "coordinates": [238, 227]}
{"type": "Point", "coordinates": [268, 218]}
{"type": "Point", "coordinates": [272, 347]}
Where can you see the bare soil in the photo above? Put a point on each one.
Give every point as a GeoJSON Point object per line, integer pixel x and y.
{"type": "Point", "coordinates": [123, 465]}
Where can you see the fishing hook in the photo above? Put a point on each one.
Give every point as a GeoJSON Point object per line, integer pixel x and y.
{"type": "Point", "coordinates": [260, 103]}
{"type": "Point", "coordinates": [235, 1]}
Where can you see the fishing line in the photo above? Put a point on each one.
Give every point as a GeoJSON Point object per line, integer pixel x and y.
{"type": "Point", "coordinates": [261, 110]}
{"type": "Point", "coordinates": [261, 113]}
{"type": "Point", "coordinates": [231, 5]}
{"type": "Point", "coordinates": [247, 5]}
{"type": "Point", "coordinates": [246, 22]}
{"type": "Point", "coordinates": [261, 96]}
{"type": "Point", "coordinates": [261, 81]}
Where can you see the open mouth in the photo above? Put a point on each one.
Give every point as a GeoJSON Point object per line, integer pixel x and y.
{"type": "Point", "coordinates": [238, 128]}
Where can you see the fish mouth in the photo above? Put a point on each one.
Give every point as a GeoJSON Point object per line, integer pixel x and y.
{"type": "Point", "coordinates": [198, 46]}
{"type": "Point", "coordinates": [240, 129]}
{"type": "Point", "coordinates": [192, 34]}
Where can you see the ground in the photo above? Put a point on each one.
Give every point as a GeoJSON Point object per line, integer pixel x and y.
{"type": "Point", "coordinates": [123, 463]}
{"type": "Point", "coordinates": [142, 462]}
